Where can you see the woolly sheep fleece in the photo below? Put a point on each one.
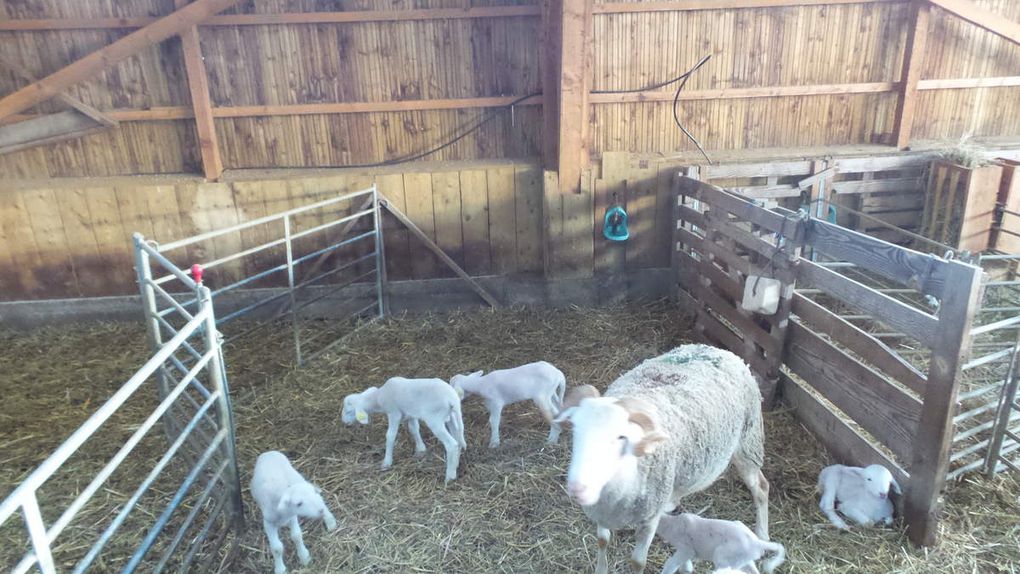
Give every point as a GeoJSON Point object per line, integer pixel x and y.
{"type": "Point", "coordinates": [709, 407]}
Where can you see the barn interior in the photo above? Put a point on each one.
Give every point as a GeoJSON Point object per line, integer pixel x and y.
{"type": "Point", "coordinates": [220, 217]}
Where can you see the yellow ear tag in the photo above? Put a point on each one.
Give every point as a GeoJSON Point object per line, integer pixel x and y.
{"type": "Point", "coordinates": [362, 417]}
{"type": "Point", "coordinates": [460, 392]}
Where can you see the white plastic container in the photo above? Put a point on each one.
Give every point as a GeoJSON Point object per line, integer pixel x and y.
{"type": "Point", "coordinates": [761, 295]}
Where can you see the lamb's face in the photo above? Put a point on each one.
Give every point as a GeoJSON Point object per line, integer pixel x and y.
{"type": "Point", "coordinates": [878, 481]}
{"type": "Point", "coordinates": [305, 500]}
{"type": "Point", "coordinates": [603, 439]}
{"type": "Point", "coordinates": [457, 382]}
{"type": "Point", "coordinates": [353, 411]}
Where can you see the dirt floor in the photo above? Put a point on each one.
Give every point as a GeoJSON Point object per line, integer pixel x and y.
{"type": "Point", "coordinates": [508, 511]}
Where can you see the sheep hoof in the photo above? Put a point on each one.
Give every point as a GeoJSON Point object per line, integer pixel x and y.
{"type": "Point", "coordinates": [386, 466]}
{"type": "Point", "coordinates": [304, 557]}
{"type": "Point", "coordinates": [493, 445]}
{"type": "Point", "coordinates": [280, 569]}
{"type": "Point", "coordinates": [637, 566]}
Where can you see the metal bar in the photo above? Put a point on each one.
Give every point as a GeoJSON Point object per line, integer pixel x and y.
{"type": "Point", "coordinates": [1000, 229]}
{"type": "Point", "coordinates": [247, 280]}
{"type": "Point", "coordinates": [1002, 209]}
{"type": "Point", "coordinates": [88, 428]}
{"type": "Point", "coordinates": [196, 543]}
{"type": "Point", "coordinates": [143, 271]}
{"type": "Point", "coordinates": [967, 415]}
{"type": "Point", "coordinates": [169, 266]}
{"type": "Point", "coordinates": [175, 502]}
{"type": "Point", "coordinates": [816, 291]}
{"type": "Point", "coordinates": [187, 346]}
{"type": "Point", "coordinates": [173, 302]}
{"type": "Point", "coordinates": [37, 533]}
{"type": "Point", "coordinates": [128, 506]}
{"type": "Point", "coordinates": [1013, 465]}
{"type": "Point", "coordinates": [971, 466]}
{"type": "Point", "coordinates": [321, 296]}
{"type": "Point", "coordinates": [343, 243]}
{"type": "Point", "coordinates": [195, 509]}
{"type": "Point", "coordinates": [990, 358]}
{"type": "Point", "coordinates": [290, 290]}
{"type": "Point", "coordinates": [981, 330]}
{"type": "Point", "coordinates": [218, 378]}
{"type": "Point", "coordinates": [76, 505]}
{"type": "Point", "coordinates": [333, 223]}
{"type": "Point", "coordinates": [345, 266]}
{"type": "Point", "coordinates": [1003, 414]}
{"type": "Point", "coordinates": [968, 451]}
{"type": "Point", "coordinates": [339, 341]}
{"type": "Point", "coordinates": [981, 391]}
{"type": "Point", "coordinates": [252, 307]}
{"type": "Point", "coordinates": [240, 254]}
{"type": "Point", "coordinates": [262, 220]}
{"type": "Point", "coordinates": [1000, 256]}
{"type": "Point", "coordinates": [355, 315]}
{"type": "Point", "coordinates": [380, 260]}
{"type": "Point", "coordinates": [887, 225]}
{"type": "Point", "coordinates": [1002, 283]}
{"type": "Point", "coordinates": [1000, 310]}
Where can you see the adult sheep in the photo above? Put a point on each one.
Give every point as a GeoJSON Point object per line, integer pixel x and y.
{"type": "Point", "coordinates": [666, 429]}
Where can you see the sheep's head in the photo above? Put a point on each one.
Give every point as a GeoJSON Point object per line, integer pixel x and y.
{"type": "Point", "coordinates": [878, 481]}
{"type": "Point", "coordinates": [457, 382]}
{"type": "Point", "coordinates": [356, 407]}
{"type": "Point", "coordinates": [305, 499]}
{"type": "Point", "coordinates": [609, 435]}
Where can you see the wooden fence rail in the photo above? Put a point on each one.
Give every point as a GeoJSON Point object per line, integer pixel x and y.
{"type": "Point", "coordinates": [864, 401]}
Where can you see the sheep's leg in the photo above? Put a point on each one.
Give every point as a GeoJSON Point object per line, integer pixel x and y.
{"type": "Point", "coordinates": [495, 411]}
{"type": "Point", "coordinates": [679, 559]}
{"type": "Point", "coordinates": [752, 476]}
{"type": "Point", "coordinates": [828, 506]}
{"type": "Point", "coordinates": [642, 542]}
{"type": "Point", "coordinates": [451, 445]}
{"type": "Point", "coordinates": [295, 535]}
{"type": "Point", "coordinates": [275, 546]}
{"type": "Point", "coordinates": [545, 405]}
{"type": "Point", "coordinates": [854, 514]}
{"type": "Point", "coordinates": [391, 438]}
{"type": "Point", "coordinates": [601, 558]}
{"type": "Point", "coordinates": [415, 430]}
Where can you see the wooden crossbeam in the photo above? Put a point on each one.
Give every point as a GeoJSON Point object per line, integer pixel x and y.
{"type": "Point", "coordinates": [127, 46]}
{"type": "Point", "coordinates": [75, 103]}
{"type": "Point", "coordinates": [198, 83]}
{"type": "Point", "coordinates": [971, 12]}
{"type": "Point", "coordinates": [431, 245]}
{"type": "Point", "coordinates": [913, 59]}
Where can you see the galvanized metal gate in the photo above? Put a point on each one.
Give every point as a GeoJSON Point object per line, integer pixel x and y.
{"type": "Point", "coordinates": [182, 505]}
{"type": "Point", "coordinates": [281, 275]}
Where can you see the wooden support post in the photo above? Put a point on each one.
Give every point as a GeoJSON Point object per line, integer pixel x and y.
{"type": "Point", "coordinates": [913, 59]}
{"type": "Point", "coordinates": [482, 292]}
{"type": "Point", "coordinates": [126, 47]}
{"type": "Point", "coordinates": [934, 438]}
{"type": "Point", "coordinates": [198, 82]}
{"type": "Point", "coordinates": [575, 57]}
{"type": "Point", "coordinates": [550, 65]}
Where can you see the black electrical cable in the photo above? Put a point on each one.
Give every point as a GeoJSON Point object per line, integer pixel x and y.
{"type": "Point", "coordinates": [489, 116]}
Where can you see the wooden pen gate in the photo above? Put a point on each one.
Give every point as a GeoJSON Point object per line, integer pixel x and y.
{"type": "Point", "coordinates": [863, 400]}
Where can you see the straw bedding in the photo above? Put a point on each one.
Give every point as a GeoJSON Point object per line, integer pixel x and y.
{"type": "Point", "coordinates": [508, 511]}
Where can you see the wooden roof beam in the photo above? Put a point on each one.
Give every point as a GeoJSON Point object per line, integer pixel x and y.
{"type": "Point", "coordinates": [201, 103]}
{"type": "Point", "coordinates": [90, 65]}
{"type": "Point", "coordinates": [995, 23]}
{"type": "Point", "coordinates": [75, 103]}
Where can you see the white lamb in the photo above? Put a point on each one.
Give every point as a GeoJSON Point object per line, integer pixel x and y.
{"type": "Point", "coordinates": [726, 543]}
{"type": "Point", "coordinates": [666, 429]}
{"type": "Point", "coordinates": [283, 495]}
{"type": "Point", "coordinates": [860, 494]}
{"type": "Point", "coordinates": [431, 401]}
{"type": "Point", "coordinates": [538, 382]}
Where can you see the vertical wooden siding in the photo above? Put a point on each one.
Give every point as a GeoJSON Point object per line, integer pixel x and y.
{"type": "Point", "coordinates": [297, 64]}
{"type": "Point", "coordinates": [74, 239]}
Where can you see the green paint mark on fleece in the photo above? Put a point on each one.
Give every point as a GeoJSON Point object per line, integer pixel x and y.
{"type": "Point", "coordinates": [677, 359]}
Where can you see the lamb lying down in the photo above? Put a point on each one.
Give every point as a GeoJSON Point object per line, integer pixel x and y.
{"type": "Point", "coordinates": [539, 382]}
{"type": "Point", "coordinates": [431, 401]}
{"type": "Point", "coordinates": [283, 495]}
{"type": "Point", "coordinates": [860, 494]}
{"type": "Point", "coordinates": [727, 544]}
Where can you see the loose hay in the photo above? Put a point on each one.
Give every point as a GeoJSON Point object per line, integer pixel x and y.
{"type": "Point", "coordinates": [508, 511]}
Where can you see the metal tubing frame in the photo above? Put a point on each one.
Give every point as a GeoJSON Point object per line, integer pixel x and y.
{"type": "Point", "coordinates": [1003, 416]}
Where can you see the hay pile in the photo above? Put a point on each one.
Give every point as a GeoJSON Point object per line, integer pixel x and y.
{"type": "Point", "coordinates": [508, 512]}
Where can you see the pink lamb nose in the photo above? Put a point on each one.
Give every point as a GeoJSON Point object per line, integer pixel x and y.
{"type": "Point", "coordinates": [576, 490]}
{"type": "Point", "coordinates": [882, 495]}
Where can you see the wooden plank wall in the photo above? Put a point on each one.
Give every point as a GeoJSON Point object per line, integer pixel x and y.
{"type": "Point", "coordinates": [73, 238]}
{"type": "Point", "coordinates": [779, 77]}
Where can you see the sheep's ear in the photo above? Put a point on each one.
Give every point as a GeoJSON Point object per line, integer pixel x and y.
{"type": "Point", "coordinates": [460, 392]}
{"type": "Point", "coordinates": [476, 374]}
{"type": "Point", "coordinates": [564, 415]}
{"type": "Point", "coordinates": [645, 415]}
{"type": "Point", "coordinates": [284, 501]}
{"type": "Point", "coordinates": [896, 487]}
{"type": "Point", "coordinates": [361, 416]}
